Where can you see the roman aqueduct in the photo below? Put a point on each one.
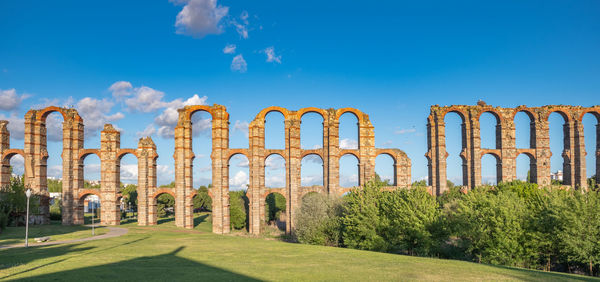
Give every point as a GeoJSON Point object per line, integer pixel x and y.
{"type": "Point", "coordinates": [110, 153]}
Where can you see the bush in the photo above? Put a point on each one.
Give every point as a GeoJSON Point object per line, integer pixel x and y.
{"type": "Point", "coordinates": [274, 206]}
{"type": "Point", "coordinates": [238, 206]}
{"type": "Point", "coordinates": [164, 205]}
{"type": "Point", "coordinates": [202, 200]}
{"type": "Point", "coordinates": [318, 220]}
{"type": "Point", "coordinates": [56, 210]}
{"type": "Point", "coordinates": [13, 201]}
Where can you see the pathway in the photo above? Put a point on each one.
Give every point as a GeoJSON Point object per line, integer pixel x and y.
{"type": "Point", "coordinates": [112, 232]}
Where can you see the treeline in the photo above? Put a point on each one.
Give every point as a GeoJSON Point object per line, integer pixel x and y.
{"type": "Point", "coordinates": [511, 224]}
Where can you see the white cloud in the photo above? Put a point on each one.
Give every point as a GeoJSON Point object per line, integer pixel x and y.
{"type": "Point", "coordinates": [310, 180]}
{"type": "Point", "coordinates": [121, 89]}
{"type": "Point", "coordinates": [239, 180]}
{"type": "Point", "coordinates": [10, 100]}
{"type": "Point", "coordinates": [241, 126]}
{"type": "Point", "coordinates": [349, 180]}
{"type": "Point", "coordinates": [148, 131]}
{"type": "Point", "coordinates": [243, 163]}
{"type": "Point", "coordinates": [405, 131]}
{"type": "Point", "coordinates": [244, 16]}
{"type": "Point", "coordinates": [54, 127]}
{"type": "Point", "coordinates": [16, 126]}
{"type": "Point", "coordinates": [95, 114]}
{"type": "Point", "coordinates": [274, 162]}
{"type": "Point", "coordinates": [387, 143]}
{"type": "Point", "coordinates": [54, 171]}
{"type": "Point", "coordinates": [18, 164]}
{"type": "Point", "coordinates": [275, 181]}
{"type": "Point", "coordinates": [241, 28]}
{"type": "Point", "coordinates": [129, 173]}
{"type": "Point", "coordinates": [313, 159]}
{"type": "Point", "coordinates": [199, 18]}
{"type": "Point", "coordinates": [271, 56]}
{"type": "Point", "coordinates": [239, 64]}
{"type": "Point", "coordinates": [348, 143]}
{"type": "Point", "coordinates": [229, 49]}
{"type": "Point", "coordinates": [167, 120]}
{"type": "Point", "coordinates": [145, 99]}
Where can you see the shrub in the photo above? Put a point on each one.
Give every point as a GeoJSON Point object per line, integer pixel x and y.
{"type": "Point", "coordinates": [274, 205]}
{"type": "Point", "coordinates": [56, 210]}
{"type": "Point", "coordinates": [318, 220]}
{"type": "Point", "coordinates": [238, 203]}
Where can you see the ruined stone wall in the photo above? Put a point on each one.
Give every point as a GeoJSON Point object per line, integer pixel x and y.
{"type": "Point", "coordinates": [110, 154]}
{"type": "Point", "coordinates": [257, 155]}
{"type": "Point", "coordinates": [506, 152]}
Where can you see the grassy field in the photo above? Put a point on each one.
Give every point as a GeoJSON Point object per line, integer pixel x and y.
{"type": "Point", "coordinates": [57, 232]}
{"type": "Point", "coordinates": [165, 253]}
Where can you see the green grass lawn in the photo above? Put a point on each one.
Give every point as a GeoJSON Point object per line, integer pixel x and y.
{"type": "Point", "coordinates": [57, 232]}
{"type": "Point", "coordinates": [166, 253]}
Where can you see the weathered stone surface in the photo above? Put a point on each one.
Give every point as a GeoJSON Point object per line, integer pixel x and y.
{"type": "Point", "coordinates": [110, 154]}
{"type": "Point", "coordinates": [506, 152]}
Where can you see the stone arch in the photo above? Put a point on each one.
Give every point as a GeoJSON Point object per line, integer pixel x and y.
{"type": "Point", "coordinates": [123, 152]}
{"type": "Point", "coordinates": [302, 169]}
{"type": "Point", "coordinates": [306, 124]}
{"type": "Point", "coordinates": [9, 153]}
{"type": "Point", "coordinates": [42, 114]}
{"type": "Point", "coordinates": [532, 164]}
{"type": "Point", "coordinates": [266, 170]}
{"type": "Point", "coordinates": [80, 208]}
{"type": "Point", "coordinates": [353, 152]}
{"type": "Point", "coordinates": [262, 114]}
{"type": "Point", "coordinates": [394, 164]}
{"type": "Point", "coordinates": [305, 153]}
{"type": "Point", "coordinates": [358, 114]}
{"type": "Point", "coordinates": [271, 209]}
{"type": "Point", "coordinates": [461, 113]}
{"type": "Point", "coordinates": [563, 112]}
{"type": "Point", "coordinates": [189, 111]}
{"type": "Point", "coordinates": [493, 112]}
{"type": "Point", "coordinates": [153, 203]}
{"type": "Point", "coordinates": [498, 159]}
{"type": "Point", "coordinates": [593, 111]}
{"type": "Point", "coordinates": [234, 152]}
{"type": "Point", "coordinates": [358, 163]}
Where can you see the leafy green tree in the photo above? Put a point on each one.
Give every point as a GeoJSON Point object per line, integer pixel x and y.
{"type": "Point", "coordinates": [274, 206]}
{"type": "Point", "coordinates": [318, 220]}
{"type": "Point", "coordinates": [238, 206]}
{"type": "Point", "coordinates": [362, 219]}
{"type": "Point", "coordinates": [489, 226]}
{"type": "Point", "coordinates": [164, 204]}
{"type": "Point", "coordinates": [170, 185]}
{"type": "Point", "coordinates": [56, 210]}
{"type": "Point", "coordinates": [54, 185]}
{"type": "Point", "coordinates": [580, 236]}
{"type": "Point", "coordinates": [420, 183]}
{"type": "Point", "coordinates": [130, 196]}
{"type": "Point", "coordinates": [13, 201]}
{"type": "Point", "coordinates": [408, 220]}
{"type": "Point", "coordinates": [202, 200]}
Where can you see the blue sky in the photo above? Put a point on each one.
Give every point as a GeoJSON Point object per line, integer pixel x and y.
{"type": "Point", "coordinates": [390, 59]}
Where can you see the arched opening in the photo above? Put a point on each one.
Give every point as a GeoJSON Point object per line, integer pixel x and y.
{"type": "Point", "coordinates": [311, 171]}
{"type": "Point", "coordinates": [128, 184]}
{"type": "Point", "coordinates": [274, 130]}
{"type": "Point", "coordinates": [202, 209]}
{"type": "Point", "coordinates": [524, 130]}
{"type": "Point", "coordinates": [275, 171]}
{"type": "Point", "coordinates": [90, 166]}
{"type": "Point", "coordinates": [348, 134]}
{"type": "Point", "coordinates": [490, 169]}
{"type": "Point", "coordinates": [591, 127]}
{"type": "Point", "coordinates": [17, 166]}
{"type": "Point", "coordinates": [275, 208]}
{"type": "Point", "coordinates": [526, 169]}
{"type": "Point", "coordinates": [54, 162]}
{"type": "Point", "coordinates": [202, 148]}
{"type": "Point", "coordinates": [489, 130]}
{"type": "Point", "coordinates": [349, 171]}
{"type": "Point", "coordinates": [454, 144]}
{"type": "Point", "coordinates": [162, 208]}
{"type": "Point", "coordinates": [238, 186]}
{"type": "Point", "coordinates": [311, 131]}
{"type": "Point", "coordinates": [90, 203]}
{"type": "Point", "coordinates": [559, 173]}
{"type": "Point", "coordinates": [385, 169]}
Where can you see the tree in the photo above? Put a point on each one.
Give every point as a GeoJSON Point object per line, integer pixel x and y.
{"type": "Point", "coordinates": [202, 200]}
{"type": "Point", "coordinates": [165, 204]}
{"type": "Point", "coordinates": [490, 225]}
{"type": "Point", "coordinates": [318, 220]}
{"type": "Point", "coordinates": [54, 185]}
{"type": "Point", "coordinates": [362, 218]}
{"type": "Point", "coordinates": [13, 202]}
{"type": "Point", "coordinates": [238, 206]}
{"type": "Point", "coordinates": [580, 236]}
{"type": "Point", "coordinates": [130, 196]}
{"type": "Point", "coordinates": [274, 206]}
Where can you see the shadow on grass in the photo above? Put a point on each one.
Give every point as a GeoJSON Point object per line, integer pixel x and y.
{"type": "Point", "coordinates": [165, 267]}
{"type": "Point", "coordinates": [538, 275]}
{"type": "Point", "coordinates": [129, 220]}
{"type": "Point", "coordinates": [200, 219]}
{"type": "Point", "coordinates": [165, 220]}
{"type": "Point", "coordinates": [14, 235]}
